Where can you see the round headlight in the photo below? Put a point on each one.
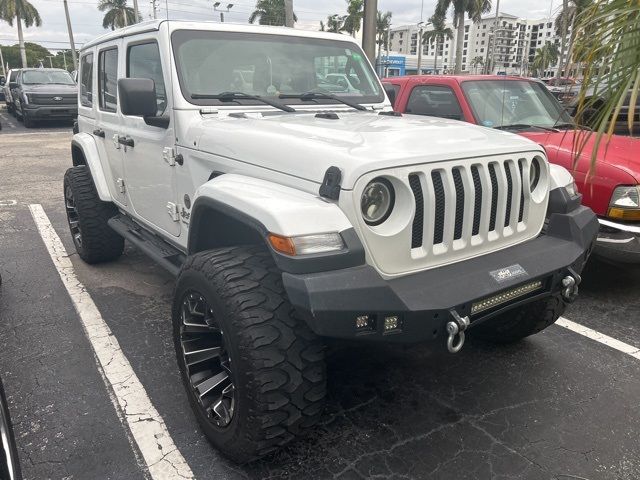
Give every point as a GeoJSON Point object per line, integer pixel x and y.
{"type": "Point", "coordinates": [377, 201]}
{"type": "Point", "coordinates": [534, 174]}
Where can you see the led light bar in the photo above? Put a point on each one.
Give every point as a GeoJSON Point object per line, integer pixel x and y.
{"type": "Point", "coordinates": [505, 297]}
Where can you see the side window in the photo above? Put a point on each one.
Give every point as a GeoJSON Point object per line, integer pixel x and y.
{"type": "Point", "coordinates": [86, 80]}
{"type": "Point", "coordinates": [108, 79]}
{"type": "Point", "coordinates": [435, 101]}
{"type": "Point", "coordinates": [143, 61]}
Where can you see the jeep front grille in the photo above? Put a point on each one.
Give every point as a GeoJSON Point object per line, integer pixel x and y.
{"type": "Point", "coordinates": [459, 209]}
{"type": "Point", "coordinates": [450, 194]}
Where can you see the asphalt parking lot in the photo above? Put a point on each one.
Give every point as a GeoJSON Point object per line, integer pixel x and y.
{"type": "Point", "coordinates": [556, 406]}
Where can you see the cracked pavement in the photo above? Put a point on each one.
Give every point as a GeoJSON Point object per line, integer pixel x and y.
{"type": "Point", "coordinates": [556, 406]}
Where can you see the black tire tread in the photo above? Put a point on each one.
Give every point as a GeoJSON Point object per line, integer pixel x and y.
{"type": "Point", "coordinates": [527, 320]}
{"type": "Point", "coordinates": [100, 243]}
{"type": "Point", "coordinates": [282, 360]}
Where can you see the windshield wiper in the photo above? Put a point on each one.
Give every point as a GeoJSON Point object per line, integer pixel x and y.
{"type": "Point", "coordinates": [235, 96]}
{"type": "Point", "coordinates": [311, 96]}
{"type": "Point", "coordinates": [564, 126]}
{"type": "Point", "coordinates": [523, 126]}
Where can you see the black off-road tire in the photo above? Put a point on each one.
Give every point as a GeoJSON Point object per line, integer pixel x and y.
{"type": "Point", "coordinates": [277, 362]}
{"type": "Point", "coordinates": [517, 324]}
{"type": "Point", "coordinates": [97, 241]}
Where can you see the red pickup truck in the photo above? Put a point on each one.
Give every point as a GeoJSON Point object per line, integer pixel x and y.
{"type": "Point", "coordinates": [526, 107]}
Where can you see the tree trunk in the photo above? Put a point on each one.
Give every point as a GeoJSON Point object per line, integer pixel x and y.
{"type": "Point", "coordinates": [459, 42]}
{"type": "Point", "coordinates": [563, 40]}
{"type": "Point", "coordinates": [125, 20]}
{"type": "Point", "coordinates": [23, 50]}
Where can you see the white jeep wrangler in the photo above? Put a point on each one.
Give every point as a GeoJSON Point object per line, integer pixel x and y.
{"type": "Point", "coordinates": [292, 206]}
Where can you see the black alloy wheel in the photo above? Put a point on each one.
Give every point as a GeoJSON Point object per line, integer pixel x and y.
{"type": "Point", "coordinates": [206, 359]}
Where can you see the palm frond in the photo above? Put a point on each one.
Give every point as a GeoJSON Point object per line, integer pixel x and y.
{"type": "Point", "coordinates": [608, 48]}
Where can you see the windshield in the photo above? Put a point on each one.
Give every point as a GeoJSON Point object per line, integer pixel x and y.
{"type": "Point", "coordinates": [211, 63]}
{"type": "Point", "coordinates": [500, 103]}
{"type": "Point", "coordinates": [47, 77]}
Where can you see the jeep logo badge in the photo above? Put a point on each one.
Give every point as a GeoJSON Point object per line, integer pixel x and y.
{"type": "Point", "coordinates": [57, 99]}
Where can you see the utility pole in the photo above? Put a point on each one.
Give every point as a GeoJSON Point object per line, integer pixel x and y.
{"type": "Point", "coordinates": [50, 62]}
{"type": "Point", "coordinates": [71, 41]}
{"type": "Point", "coordinates": [135, 12]}
{"type": "Point", "coordinates": [288, 13]}
{"type": "Point", "coordinates": [215, 9]}
{"type": "Point", "coordinates": [369, 29]}
{"type": "Point", "coordinates": [4, 73]}
{"type": "Point", "coordinates": [64, 57]}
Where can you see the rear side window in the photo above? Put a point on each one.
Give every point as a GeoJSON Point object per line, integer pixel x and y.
{"type": "Point", "coordinates": [435, 101]}
{"type": "Point", "coordinates": [86, 80]}
{"type": "Point", "coordinates": [13, 76]}
{"type": "Point", "coordinates": [108, 80]}
{"type": "Point", "coordinates": [143, 61]}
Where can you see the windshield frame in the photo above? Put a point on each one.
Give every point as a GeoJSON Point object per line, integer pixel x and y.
{"type": "Point", "coordinates": [27, 72]}
{"type": "Point", "coordinates": [228, 35]}
{"type": "Point", "coordinates": [563, 116]}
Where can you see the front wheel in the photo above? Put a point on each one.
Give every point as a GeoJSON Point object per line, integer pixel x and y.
{"type": "Point", "coordinates": [521, 322]}
{"type": "Point", "coordinates": [254, 373]}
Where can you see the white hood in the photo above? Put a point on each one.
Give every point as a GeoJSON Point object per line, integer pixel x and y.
{"type": "Point", "coordinates": [302, 145]}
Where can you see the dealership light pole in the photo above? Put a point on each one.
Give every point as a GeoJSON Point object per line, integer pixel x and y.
{"type": "Point", "coordinates": [73, 44]}
{"type": "Point", "coordinates": [136, 18]}
{"type": "Point", "coordinates": [419, 65]}
{"type": "Point", "coordinates": [369, 29]}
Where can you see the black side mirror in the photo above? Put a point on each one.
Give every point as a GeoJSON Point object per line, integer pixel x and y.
{"type": "Point", "coordinates": [138, 97]}
{"type": "Point", "coordinates": [391, 93]}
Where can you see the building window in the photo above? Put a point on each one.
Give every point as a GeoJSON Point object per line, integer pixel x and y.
{"type": "Point", "coordinates": [482, 50]}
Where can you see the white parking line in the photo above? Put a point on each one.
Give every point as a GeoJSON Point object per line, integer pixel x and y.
{"type": "Point", "coordinates": [599, 337]}
{"type": "Point", "coordinates": [139, 416]}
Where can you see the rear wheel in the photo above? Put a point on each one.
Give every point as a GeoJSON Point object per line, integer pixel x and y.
{"type": "Point", "coordinates": [517, 324]}
{"type": "Point", "coordinates": [254, 373]}
{"type": "Point", "coordinates": [87, 217]}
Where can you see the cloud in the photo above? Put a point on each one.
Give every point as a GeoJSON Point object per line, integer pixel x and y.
{"type": "Point", "coordinates": [87, 20]}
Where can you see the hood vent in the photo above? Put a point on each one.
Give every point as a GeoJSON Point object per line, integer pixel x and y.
{"type": "Point", "coordinates": [328, 116]}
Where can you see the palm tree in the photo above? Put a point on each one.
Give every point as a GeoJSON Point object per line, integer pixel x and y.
{"type": "Point", "coordinates": [20, 11]}
{"type": "Point", "coordinates": [568, 16]}
{"type": "Point", "coordinates": [383, 23]}
{"type": "Point", "coordinates": [545, 56]}
{"type": "Point", "coordinates": [118, 14]}
{"type": "Point", "coordinates": [607, 38]}
{"type": "Point", "coordinates": [477, 62]}
{"type": "Point", "coordinates": [438, 34]}
{"type": "Point", "coordinates": [353, 19]}
{"type": "Point", "coordinates": [473, 9]}
{"type": "Point", "coordinates": [270, 12]}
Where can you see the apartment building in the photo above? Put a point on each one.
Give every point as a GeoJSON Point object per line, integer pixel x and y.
{"type": "Point", "coordinates": [516, 41]}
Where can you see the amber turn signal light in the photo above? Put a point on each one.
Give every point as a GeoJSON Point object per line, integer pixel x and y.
{"type": "Point", "coordinates": [627, 214]}
{"type": "Point", "coordinates": [282, 244]}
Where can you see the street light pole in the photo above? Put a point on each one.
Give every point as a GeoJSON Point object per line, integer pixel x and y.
{"type": "Point", "coordinates": [64, 57]}
{"type": "Point", "coordinates": [50, 62]}
{"type": "Point", "coordinates": [71, 41]}
{"type": "Point", "coordinates": [135, 12]}
{"type": "Point", "coordinates": [495, 39]}
{"type": "Point", "coordinates": [419, 66]}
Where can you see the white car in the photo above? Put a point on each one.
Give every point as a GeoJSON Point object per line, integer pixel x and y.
{"type": "Point", "coordinates": [10, 83]}
{"type": "Point", "coordinates": [289, 214]}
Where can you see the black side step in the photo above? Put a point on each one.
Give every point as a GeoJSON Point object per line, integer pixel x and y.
{"type": "Point", "coordinates": [164, 254]}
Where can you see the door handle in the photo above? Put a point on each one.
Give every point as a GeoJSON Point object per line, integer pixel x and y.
{"type": "Point", "coordinates": [99, 132]}
{"type": "Point", "coordinates": [126, 141]}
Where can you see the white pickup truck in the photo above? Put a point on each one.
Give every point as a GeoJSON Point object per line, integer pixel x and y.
{"type": "Point", "coordinates": [292, 208]}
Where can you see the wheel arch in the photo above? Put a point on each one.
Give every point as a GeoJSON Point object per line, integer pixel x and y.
{"type": "Point", "coordinates": [84, 151]}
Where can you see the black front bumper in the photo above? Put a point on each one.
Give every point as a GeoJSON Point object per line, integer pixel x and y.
{"type": "Point", "coordinates": [331, 301]}
{"type": "Point", "coordinates": [46, 112]}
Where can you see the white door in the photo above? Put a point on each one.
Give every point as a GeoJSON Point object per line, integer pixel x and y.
{"type": "Point", "coordinates": [108, 119]}
{"type": "Point", "coordinates": [150, 179]}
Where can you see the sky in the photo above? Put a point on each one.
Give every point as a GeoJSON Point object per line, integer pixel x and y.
{"type": "Point", "coordinates": [87, 19]}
